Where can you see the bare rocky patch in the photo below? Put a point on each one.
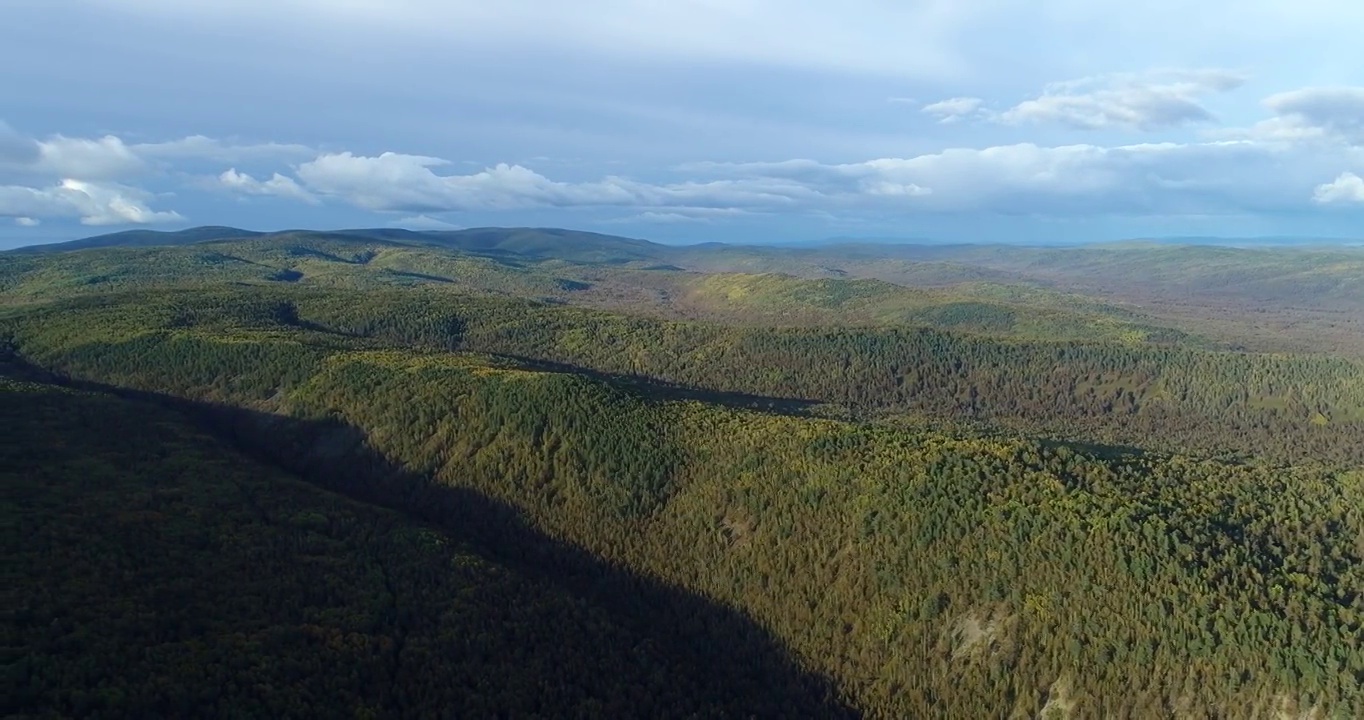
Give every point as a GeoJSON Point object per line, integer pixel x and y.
{"type": "Point", "coordinates": [981, 632]}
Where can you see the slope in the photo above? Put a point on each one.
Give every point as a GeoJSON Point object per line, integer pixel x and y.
{"type": "Point", "coordinates": [929, 575]}
{"type": "Point", "coordinates": [1233, 405]}
{"type": "Point", "coordinates": [154, 572]}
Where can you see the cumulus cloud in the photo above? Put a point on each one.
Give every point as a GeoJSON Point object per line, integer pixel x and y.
{"type": "Point", "coordinates": [112, 204]}
{"type": "Point", "coordinates": [278, 185]}
{"type": "Point", "coordinates": [1348, 188]}
{"type": "Point", "coordinates": [91, 174]}
{"type": "Point", "coordinates": [111, 158]}
{"type": "Point", "coordinates": [1144, 101]}
{"type": "Point", "coordinates": [103, 158]}
{"type": "Point", "coordinates": [27, 222]}
{"type": "Point", "coordinates": [1243, 175]}
{"type": "Point", "coordinates": [93, 203]}
{"type": "Point", "coordinates": [953, 109]}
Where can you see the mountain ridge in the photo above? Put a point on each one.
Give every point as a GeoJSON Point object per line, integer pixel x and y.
{"type": "Point", "coordinates": [493, 235]}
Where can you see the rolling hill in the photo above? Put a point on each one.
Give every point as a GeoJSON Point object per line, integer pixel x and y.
{"type": "Point", "coordinates": [546, 473]}
{"type": "Point", "coordinates": [918, 570]}
{"type": "Point", "coordinates": [1302, 299]}
{"type": "Point", "coordinates": [573, 268]}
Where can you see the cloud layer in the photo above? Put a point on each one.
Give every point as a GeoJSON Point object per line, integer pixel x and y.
{"type": "Point", "coordinates": [1130, 101]}
{"type": "Point", "coordinates": [90, 179]}
{"type": "Point", "coordinates": [93, 203]}
{"type": "Point", "coordinates": [1136, 101]}
{"type": "Point", "coordinates": [1306, 155]}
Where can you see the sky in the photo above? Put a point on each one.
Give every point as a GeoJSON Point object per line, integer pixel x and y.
{"type": "Point", "coordinates": [686, 120]}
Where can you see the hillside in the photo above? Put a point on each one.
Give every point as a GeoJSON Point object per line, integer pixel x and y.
{"type": "Point", "coordinates": [385, 474]}
{"type": "Point", "coordinates": [977, 577]}
{"type": "Point", "coordinates": [161, 573]}
{"type": "Point", "coordinates": [144, 238]}
{"type": "Point", "coordinates": [1221, 404]}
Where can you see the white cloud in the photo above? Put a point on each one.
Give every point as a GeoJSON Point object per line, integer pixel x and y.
{"type": "Point", "coordinates": [111, 158]}
{"type": "Point", "coordinates": [88, 171]}
{"type": "Point", "coordinates": [1246, 175]}
{"type": "Point", "coordinates": [278, 185]}
{"type": "Point", "coordinates": [1143, 101]}
{"type": "Point", "coordinates": [953, 109]}
{"type": "Point", "coordinates": [112, 204]}
{"type": "Point", "coordinates": [105, 158]}
{"type": "Point", "coordinates": [92, 203]}
{"type": "Point", "coordinates": [1348, 188]}
{"type": "Point", "coordinates": [27, 222]}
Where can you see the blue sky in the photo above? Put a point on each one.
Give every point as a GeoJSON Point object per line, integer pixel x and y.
{"type": "Point", "coordinates": [689, 120]}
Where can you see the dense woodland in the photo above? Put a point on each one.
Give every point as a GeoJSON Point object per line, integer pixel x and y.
{"type": "Point", "coordinates": [470, 502]}
{"type": "Point", "coordinates": [157, 572]}
{"type": "Point", "coordinates": [1279, 408]}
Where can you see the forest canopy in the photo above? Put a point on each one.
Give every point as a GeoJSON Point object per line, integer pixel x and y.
{"type": "Point", "coordinates": [364, 498]}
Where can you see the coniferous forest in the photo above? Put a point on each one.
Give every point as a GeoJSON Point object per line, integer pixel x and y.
{"type": "Point", "coordinates": [507, 475]}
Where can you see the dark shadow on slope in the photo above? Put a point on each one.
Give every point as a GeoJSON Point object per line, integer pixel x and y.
{"type": "Point", "coordinates": [416, 276]}
{"type": "Point", "coordinates": [1098, 450]}
{"type": "Point", "coordinates": [659, 390]}
{"type": "Point", "coordinates": [723, 655]}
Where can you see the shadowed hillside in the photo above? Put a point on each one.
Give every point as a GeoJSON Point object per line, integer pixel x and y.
{"type": "Point", "coordinates": [159, 573]}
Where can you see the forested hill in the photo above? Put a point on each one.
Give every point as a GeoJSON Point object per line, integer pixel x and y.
{"type": "Point", "coordinates": [368, 474]}
{"type": "Point", "coordinates": [925, 574]}
{"type": "Point", "coordinates": [527, 242]}
{"type": "Point", "coordinates": [1273, 408]}
{"type": "Point", "coordinates": [1296, 299]}
{"type": "Point", "coordinates": [144, 238]}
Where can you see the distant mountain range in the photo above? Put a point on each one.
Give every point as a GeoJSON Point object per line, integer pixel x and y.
{"type": "Point", "coordinates": [567, 244]}
{"type": "Point", "coordinates": [522, 240]}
